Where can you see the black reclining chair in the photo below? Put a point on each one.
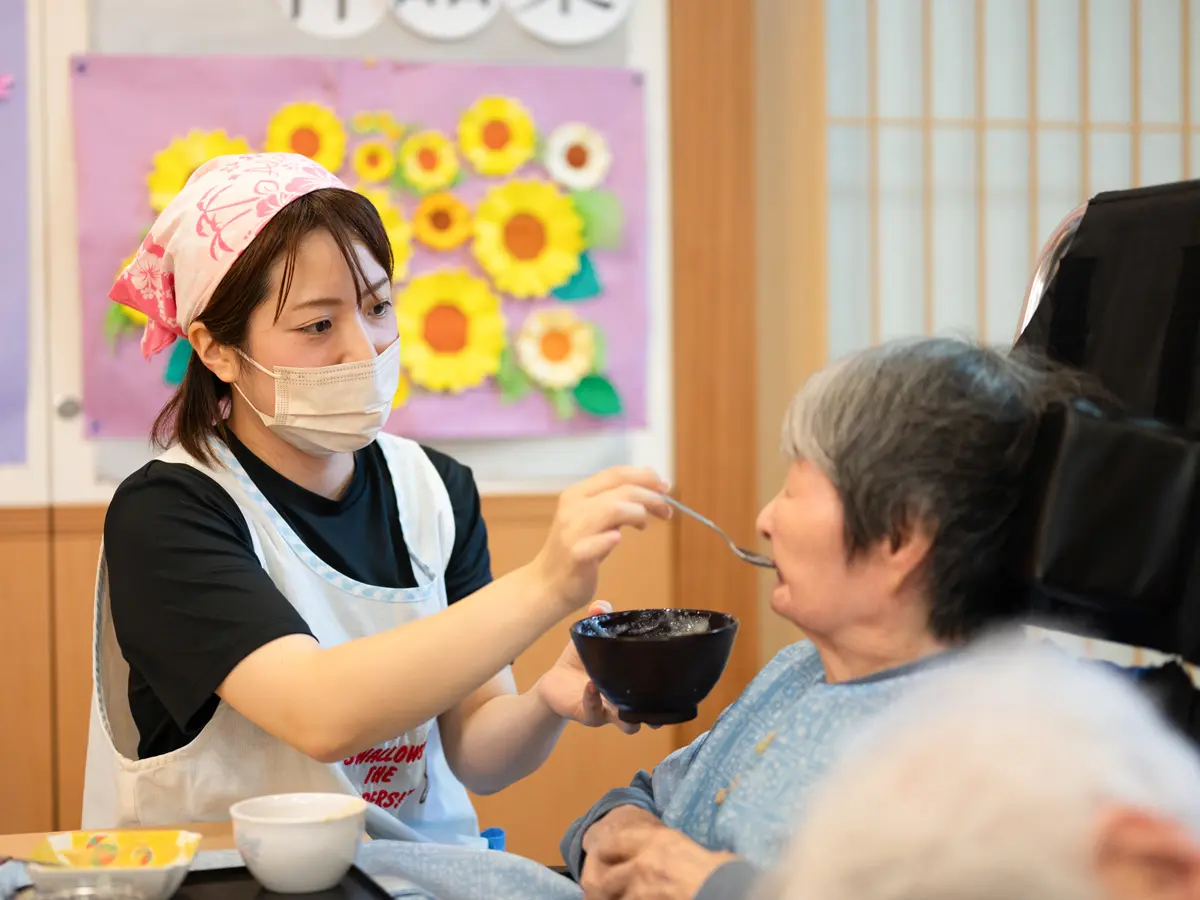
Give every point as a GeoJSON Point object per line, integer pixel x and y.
{"type": "Point", "coordinates": [1109, 539]}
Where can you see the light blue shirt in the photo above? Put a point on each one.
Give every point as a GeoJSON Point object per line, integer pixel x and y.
{"type": "Point", "coordinates": [742, 786]}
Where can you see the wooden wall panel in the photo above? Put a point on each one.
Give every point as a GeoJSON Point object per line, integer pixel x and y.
{"type": "Point", "coordinates": [713, 230]}
{"type": "Point", "coordinates": [76, 548]}
{"type": "Point", "coordinates": [792, 214]}
{"type": "Point", "coordinates": [535, 812]}
{"type": "Point", "coordinates": [26, 690]}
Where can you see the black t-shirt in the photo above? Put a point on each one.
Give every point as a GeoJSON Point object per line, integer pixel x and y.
{"type": "Point", "coordinates": [190, 599]}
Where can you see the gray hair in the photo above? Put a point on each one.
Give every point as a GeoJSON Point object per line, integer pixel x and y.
{"type": "Point", "coordinates": [988, 782]}
{"type": "Point", "coordinates": [931, 433]}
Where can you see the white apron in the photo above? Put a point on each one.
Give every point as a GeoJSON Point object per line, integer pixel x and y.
{"type": "Point", "coordinates": [411, 792]}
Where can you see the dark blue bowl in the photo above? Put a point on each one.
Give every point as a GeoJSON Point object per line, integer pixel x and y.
{"type": "Point", "coordinates": [655, 665]}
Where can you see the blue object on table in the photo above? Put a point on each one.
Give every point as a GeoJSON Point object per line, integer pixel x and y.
{"type": "Point", "coordinates": [495, 838]}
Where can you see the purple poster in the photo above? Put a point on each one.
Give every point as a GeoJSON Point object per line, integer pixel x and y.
{"type": "Point", "coordinates": [514, 198]}
{"type": "Point", "coordinates": [14, 237]}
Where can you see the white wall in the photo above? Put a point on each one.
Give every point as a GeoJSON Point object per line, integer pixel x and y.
{"type": "Point", "coordinates": [63, 467]}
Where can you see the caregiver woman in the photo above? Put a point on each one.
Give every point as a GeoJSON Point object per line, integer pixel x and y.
{"type": "Point", "coordinates": [288, 599]}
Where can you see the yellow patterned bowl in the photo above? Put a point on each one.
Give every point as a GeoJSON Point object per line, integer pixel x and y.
{"type": "Point", "coordinates": [150, 865]}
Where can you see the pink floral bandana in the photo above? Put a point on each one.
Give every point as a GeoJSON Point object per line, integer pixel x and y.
{"type": "Point", "coordinates": [204, 228]}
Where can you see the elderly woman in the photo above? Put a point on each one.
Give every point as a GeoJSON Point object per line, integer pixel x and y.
{"type": "Point", "coordinates": [889, 537]}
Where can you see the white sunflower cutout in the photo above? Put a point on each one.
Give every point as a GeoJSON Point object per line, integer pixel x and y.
{"type": "Point", "coordinates": [577, 156]}
{"type": "Point", "coordinates": [556, 348]}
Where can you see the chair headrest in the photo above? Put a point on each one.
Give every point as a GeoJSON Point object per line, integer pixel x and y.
{"type": "Point", "coordinates": [1124, 302]}
{"type": "Point", "coordinates": [1109, 535]}
{"type": "Point", "coordinates": [1106, 536]}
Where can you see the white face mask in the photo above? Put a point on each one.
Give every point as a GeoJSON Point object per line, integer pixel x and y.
{"type": "Point", "coordinates": [332, 409]}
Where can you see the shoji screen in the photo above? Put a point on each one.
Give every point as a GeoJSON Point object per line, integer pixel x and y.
{"type": "Point", "coordinates": [961, 131]}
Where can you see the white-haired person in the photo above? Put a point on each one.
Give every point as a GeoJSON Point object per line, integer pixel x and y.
{"type": "Point", "coordinates": [1018, 773]}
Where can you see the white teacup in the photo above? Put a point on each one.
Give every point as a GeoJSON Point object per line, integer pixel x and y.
{"type": "Point", "coordinates": [299, 843]}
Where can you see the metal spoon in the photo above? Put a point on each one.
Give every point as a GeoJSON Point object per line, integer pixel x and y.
{"type": "Point", "coordinates": [755, 559]}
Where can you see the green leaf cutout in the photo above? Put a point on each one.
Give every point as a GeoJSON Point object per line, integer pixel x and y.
{"type": "Point", "coordinates": [603, 218]}
{"type": "Point", "coordinates": [503, 370]}
{"type": "Point", "coordinates": [512, 381]}
{"type": "Point", "coordinates": [178, 363]}
{"type": "Point", "coordinates": [595, 394]}
{"type": "Point", "coordinates": [399, 182]}
{"type": "Point", "coordinates": [600, 351]}
{"type": "Point", "coordinates": [564, 406]}
{"type": "Point", "coordinates": [115, 324]}
{"type": "Point", "coordinates": [515, 390]}
{"type": "Point", "coordinates": [583, 285]}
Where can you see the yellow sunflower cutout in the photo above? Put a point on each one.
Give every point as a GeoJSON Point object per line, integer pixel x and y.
{"type": "Point", "coordinates": [451, 330]}
{"type": "Point", "coordinates": [174, 165]}
{"type": "Point", "coordinates": [428, 161]}
{"type": "Point", "coordinates": [310, 129]}
{"type": "Point", "coordinates": [124, 319]}
{"type": "Point", "coordinates": [373, 161]}
{"type": "Point", "coordinates": [556, 348]}
{"type": "Point", "coordinates": [381, 123]}
{"type": "Point", "coordinates": [398, 230]}
{"type": "Point", "coordinates": [135, 316]}
{"type": "Point", "coordinates": [125, 264]}
{"type": "Point", "coordinates": [442, 221]}
{"type": "Point", "coordinates": [528, 237]}
{"type": "Point", "coordinates": [403, 391]}
{"type": "Point", "coordinates": [497, 135]}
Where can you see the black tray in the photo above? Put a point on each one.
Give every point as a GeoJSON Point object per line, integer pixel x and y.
{"type": "Point", "coordinates": [239, 884]}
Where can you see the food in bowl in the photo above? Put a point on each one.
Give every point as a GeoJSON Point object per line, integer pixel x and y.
{"type": "Point", "coordinates": [150, 865]}
{"type": "Point", "coordinates": [655, 665]}
{"type": "Point", "coordinates": [299, 843]}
